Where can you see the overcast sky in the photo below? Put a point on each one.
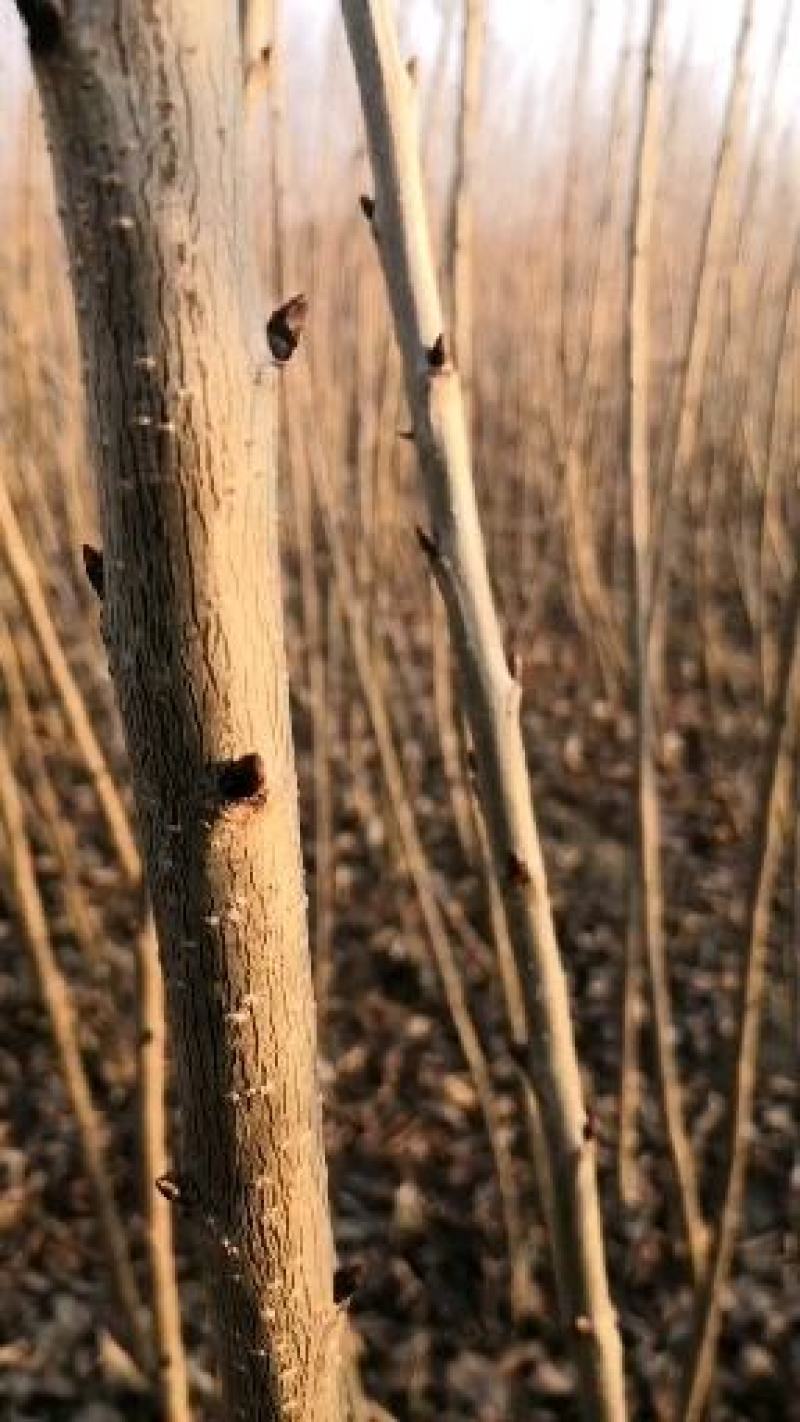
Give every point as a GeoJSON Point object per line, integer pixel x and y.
{"type": "Point", "coordinates": [535, 37]}
{"type": "Point", "coordinates": [536, 33]}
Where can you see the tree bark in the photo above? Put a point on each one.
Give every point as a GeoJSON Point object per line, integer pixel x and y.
{"type": "Point", "coordinates": [145, 120]}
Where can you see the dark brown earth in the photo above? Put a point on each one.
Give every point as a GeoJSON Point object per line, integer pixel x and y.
{"type": "Point", "coordinates": [414, 1195]}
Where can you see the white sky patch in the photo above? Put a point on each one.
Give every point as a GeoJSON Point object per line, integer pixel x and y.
{"type": "Point", "coordinates": [531, 53]}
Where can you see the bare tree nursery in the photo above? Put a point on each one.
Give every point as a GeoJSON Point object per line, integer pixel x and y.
{"type": "Point", "coordinates": [400, 700]}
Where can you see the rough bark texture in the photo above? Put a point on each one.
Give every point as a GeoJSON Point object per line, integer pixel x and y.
{"type": "Point", "coordinates": [144, 117]}
{"type": "Point", "coordinates": [491, 696]}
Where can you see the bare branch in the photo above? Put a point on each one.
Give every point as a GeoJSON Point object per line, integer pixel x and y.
{"type": "Point", "coordinates": [491, 695]}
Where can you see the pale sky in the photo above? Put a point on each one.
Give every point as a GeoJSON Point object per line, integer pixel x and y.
{"type": "Point", "coordinates": [536, 33]}
{"type": "Point", "coordinates": [535, 37]}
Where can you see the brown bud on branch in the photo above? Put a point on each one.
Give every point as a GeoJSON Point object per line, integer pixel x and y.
{"type": "Point", "coordinates": [518, 872]}
{"type": "Point", "coordinates": [285, 327]}
{"type": "Point", "coordinates": [437, 357]}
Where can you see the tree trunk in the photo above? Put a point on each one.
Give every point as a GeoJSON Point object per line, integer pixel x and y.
{"type": "Point", "coordinates": [145, 121]}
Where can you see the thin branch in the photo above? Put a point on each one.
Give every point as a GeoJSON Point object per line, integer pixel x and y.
{"type": "Point", "coordinates": [55, 994]}
{"type": "Point", "coordinates": [648, 893]}
{"type": "Point", "coordinates": [25, 578]}
{"type": "Point", "coordinates": [777, 809]}
{"type": "Point", "coordinates": [491, 694]}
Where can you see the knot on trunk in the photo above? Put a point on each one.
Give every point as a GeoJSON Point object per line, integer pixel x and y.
{"type": "Point", "coordinates": [242, 783]}
{"type": "Point", "coordinates": [285, 327]}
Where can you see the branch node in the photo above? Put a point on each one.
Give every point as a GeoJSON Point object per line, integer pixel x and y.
{"type": "Point", "coordinates": [516, 664]}
{"type": "Point", "coordinates": [437, 357]}
{"type": "Point", "coordinates": [347, 1280]}
{"type": "Point", "coordinates": [179, 1190]}
{"type": "Point", "coordinates": [94, 567]}
{"type": "Point", "coordinates": [243, 782]}
{"type": "Point", "coordinates": [518, 872]}
{"type": "Point", "coordinates": [285, 327]}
